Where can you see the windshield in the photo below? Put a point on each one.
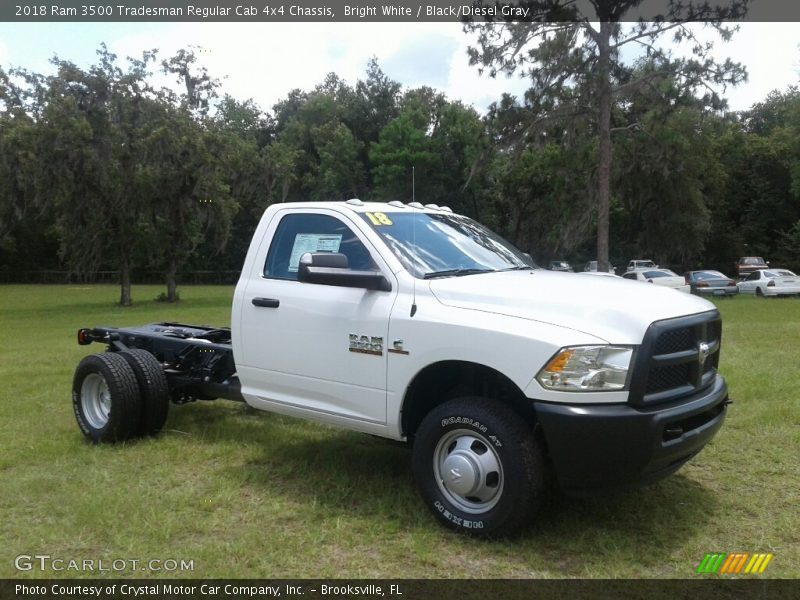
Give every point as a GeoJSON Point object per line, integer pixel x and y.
{"type": "Point", "coordinates": [431, 244]}
{"type": "Point", "coordinates": [752, 260]}
{"type": "Point", "coordinates": [655, 274]}
{"type": "Point", "coordinates": [706, 275]}
{"type": "Point", "coordinates": [781, 273]}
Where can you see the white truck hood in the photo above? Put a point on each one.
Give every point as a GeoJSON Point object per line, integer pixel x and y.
{"type": "Point", "coordinates": [616, 310]}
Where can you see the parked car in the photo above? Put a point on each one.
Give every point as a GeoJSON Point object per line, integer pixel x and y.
{"type": "Point", "coordinates": [748, 264]}
{"type": "Point", "coordinates": [639, 263]}
{"type": "Point", "coordinates": [560, 265]}
{"type": "Point", "coordinates": [592, 266]}
{"type": "Point", "coordinates": [774, 282]}
{"type": "Point", "coordinates": [663, 277]}
{"type": "Point", "coordinates": [710, 283]}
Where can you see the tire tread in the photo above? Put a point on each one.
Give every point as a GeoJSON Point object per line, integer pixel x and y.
{"type": "Point", "coordinates": [514, 432]}
{"type": "Point", "coordinates": [124, 389]}
{"type": "Point", "coordinates": [153, 388]}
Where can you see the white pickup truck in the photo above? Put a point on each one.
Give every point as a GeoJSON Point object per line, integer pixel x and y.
{"type": "Point", "coordinates": [413, 323]}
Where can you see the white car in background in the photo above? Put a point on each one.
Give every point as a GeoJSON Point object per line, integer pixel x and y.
{"type": "Point", "coordinates": [591, 267]}
{"type": "Point", "coordinates": [770, 282]}
{"type": "Point", "coordinates": [663, 277]}
{"type": "Point", "coordinates": [641, 263]}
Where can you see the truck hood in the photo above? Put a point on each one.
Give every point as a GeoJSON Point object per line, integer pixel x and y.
{"type": "Point", "coordinates": [616, 310]}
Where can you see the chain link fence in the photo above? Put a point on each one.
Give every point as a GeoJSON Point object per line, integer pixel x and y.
{"type": "Point", "coordinates": [137, 277]}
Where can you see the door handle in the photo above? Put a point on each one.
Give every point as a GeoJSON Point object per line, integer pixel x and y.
{"type": "Point", "coordinates": [266, 302]}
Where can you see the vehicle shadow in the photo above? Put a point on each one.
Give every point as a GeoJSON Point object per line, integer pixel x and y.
{"type": "Point", "coordinates": [343, 470]}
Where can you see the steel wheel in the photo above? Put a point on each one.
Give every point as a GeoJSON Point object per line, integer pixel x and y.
{"type": "Point", "coordinates": [468, 471]}
{"type": "Point", "coordinates": [96, 400]}
{"type": "Point", "coordinates": [478, 467]}
{"type": "Point", "coordinates": [105, 398]}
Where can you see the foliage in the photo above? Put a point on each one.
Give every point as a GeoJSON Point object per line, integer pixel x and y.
{"type": "Point", "coordinates": [101, 171]}
{"type": "Point", "coordinates": [573, 55]}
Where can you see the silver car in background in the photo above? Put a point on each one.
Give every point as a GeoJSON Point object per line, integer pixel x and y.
{"type": "Point", "coordinates": [710, 283]}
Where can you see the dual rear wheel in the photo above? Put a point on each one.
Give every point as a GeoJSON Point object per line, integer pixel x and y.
{"type": "Point", "coordinates": [119, 396]}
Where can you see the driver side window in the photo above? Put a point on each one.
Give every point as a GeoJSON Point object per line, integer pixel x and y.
{"type": "Point", "coordinates": [299, 233]}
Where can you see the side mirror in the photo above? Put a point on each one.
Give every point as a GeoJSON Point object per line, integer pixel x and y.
{"type": "Point", "coordinates": [332, 268]}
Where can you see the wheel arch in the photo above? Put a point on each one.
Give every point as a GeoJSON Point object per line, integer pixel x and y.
{"type": "Point", "coordinates": [444, 380]}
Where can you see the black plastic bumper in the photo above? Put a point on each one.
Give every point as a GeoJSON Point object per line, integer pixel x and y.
{"type": "Point", "coordinates": [594, 447]}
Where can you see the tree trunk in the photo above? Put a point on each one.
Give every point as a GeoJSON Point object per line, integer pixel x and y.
{"type": "Point", "coordinates": [172, 286]}
{"type": "Point", "coordinates": [125, 280]}
{"type": "Point", "coordinates": [604, 144]}
{"type": "Point", "coordinates": [285, 190]}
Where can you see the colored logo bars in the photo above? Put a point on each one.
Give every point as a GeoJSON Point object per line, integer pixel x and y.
{"type": "Point", "coordinates": [734, 563]}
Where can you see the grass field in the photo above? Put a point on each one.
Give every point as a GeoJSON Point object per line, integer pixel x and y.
{"type": "Point", "coordinates": [246, 494]}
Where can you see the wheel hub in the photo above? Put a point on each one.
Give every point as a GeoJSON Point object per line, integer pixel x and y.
{"type": "Point", "coordinates": [468, 471]}
{"type": "Point", "coordinates": [460, 474]}
{"type": "Point", "coordinates": [96, 400]}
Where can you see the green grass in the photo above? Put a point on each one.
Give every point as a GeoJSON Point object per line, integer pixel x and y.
{"type": "Point", "coordinates": [247, 494]}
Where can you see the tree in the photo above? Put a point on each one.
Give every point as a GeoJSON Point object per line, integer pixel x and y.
{"type": "Point", "coordinates": [404, 143]}
{"type": "Point", "coordinates": [92, 136]}
{"type": "Point", "coordinates": [200, 87]}
{"type": "Point", "coordinates": [183, 181]}
{"type": "Point", "coordinates": [577, 68]}
{"type": "Point", "coordinates": [324, 153]}
{"type": "Point", "coordinates": [189, 160]}
{"type": "Point", "coordinates": [27, 233]}
{"type": "Point", "coordinates": [761, 155]}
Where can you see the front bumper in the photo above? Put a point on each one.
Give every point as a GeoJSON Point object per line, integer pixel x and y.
{"type": "Point", "coordinates": [593, 447]}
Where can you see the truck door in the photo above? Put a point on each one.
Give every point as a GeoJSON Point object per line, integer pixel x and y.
{"type": "Point", "coordinates": [310, 346]}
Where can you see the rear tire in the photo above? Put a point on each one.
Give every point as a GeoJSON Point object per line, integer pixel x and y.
{"type": "Point", "coordinates": [153, 388]}
{"type": "Point", "coordinates": [478, 467]}
{"type": "Point", "coordinates": [759, 292]}
{"type": "Point", "coordinates": [105, 398]}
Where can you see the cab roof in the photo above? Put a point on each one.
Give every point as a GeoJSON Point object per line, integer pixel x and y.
{"type": "Point", "coordinates": [359, 206]}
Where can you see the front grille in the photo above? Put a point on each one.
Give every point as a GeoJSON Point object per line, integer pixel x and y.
{"type": "Point", "coordinates": [665, 378]}
{"type": "Point", "coordinates": [669, 366]}
{"type": "Point", "coordinates": [674, 340]}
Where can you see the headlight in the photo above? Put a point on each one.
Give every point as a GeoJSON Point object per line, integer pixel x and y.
{"type": "Point", "coordinates": [587, 369]}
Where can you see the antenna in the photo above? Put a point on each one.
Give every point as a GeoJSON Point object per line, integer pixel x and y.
{"type": "Point", "coordinates": [413, 239]}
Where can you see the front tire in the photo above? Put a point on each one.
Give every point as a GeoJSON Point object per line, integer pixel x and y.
{"type": "Point", "coordinates": [105, 398]}
{"type": "Point", "coordinates": [478, 467]}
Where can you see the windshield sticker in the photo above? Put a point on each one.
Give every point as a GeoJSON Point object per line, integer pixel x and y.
{"type": "Point", "coordinates": [312, 242]}
{"type": "Point", "coordinates": [379, 218]}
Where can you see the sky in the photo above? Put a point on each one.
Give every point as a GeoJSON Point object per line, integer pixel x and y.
{"type": "Point", "coordinates": [264, 61]}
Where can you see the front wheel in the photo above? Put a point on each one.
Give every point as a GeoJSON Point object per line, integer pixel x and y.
{"type": "Point", "coordinates": [478, 467]}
